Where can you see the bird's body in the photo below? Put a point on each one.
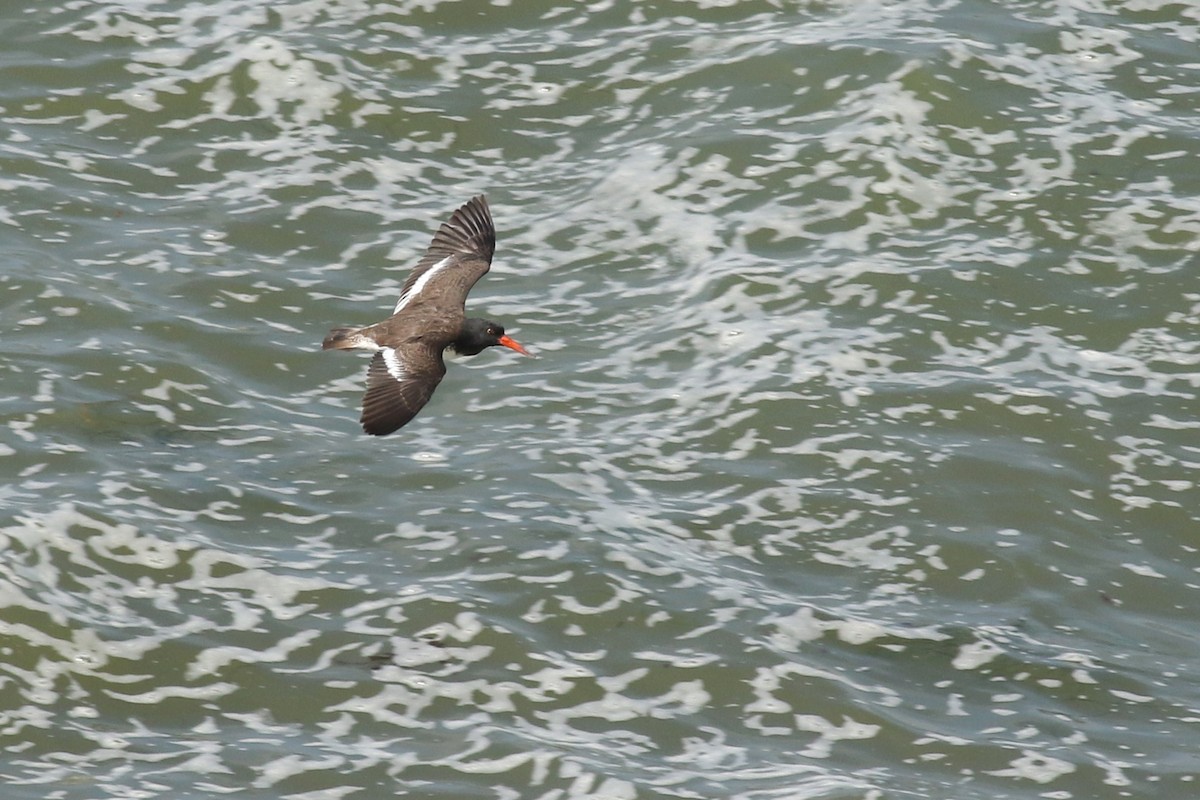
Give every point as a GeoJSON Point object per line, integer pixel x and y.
{"type": "Point", "coordinates": [429, 317]}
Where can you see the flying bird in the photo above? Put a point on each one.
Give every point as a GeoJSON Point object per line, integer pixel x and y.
{"type": "Point", "coordinates": [429, 317]}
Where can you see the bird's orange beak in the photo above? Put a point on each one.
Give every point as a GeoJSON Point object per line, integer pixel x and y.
{"type": "Point", "coordinates": [513, 344]}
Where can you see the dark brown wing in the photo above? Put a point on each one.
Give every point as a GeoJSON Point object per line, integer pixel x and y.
{"type": "Point", "coordinates": [399, 384]}
{"type": "Point", "coordinates": [459, 255]}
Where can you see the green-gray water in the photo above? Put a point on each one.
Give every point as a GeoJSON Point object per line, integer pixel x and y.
{"type": "Point", "coordinates": [859, 459]}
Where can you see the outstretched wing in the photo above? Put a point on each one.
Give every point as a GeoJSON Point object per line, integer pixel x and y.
{"type": "Point", "coordinates": [399, 387]}
{"type": "Point", "coordinates": [459, 255]}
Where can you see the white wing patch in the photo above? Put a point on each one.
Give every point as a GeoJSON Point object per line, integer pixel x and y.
{"type": "Point", "coordinates": [394, 366]}
{"type": "Point", "coordinates": [422, 281]}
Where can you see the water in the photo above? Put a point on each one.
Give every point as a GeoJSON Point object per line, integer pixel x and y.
{"type": "Point", "coordinates": [857, 462]}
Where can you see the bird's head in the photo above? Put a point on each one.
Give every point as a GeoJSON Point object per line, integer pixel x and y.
{"type": "Point", "coordinates": [479, 334]}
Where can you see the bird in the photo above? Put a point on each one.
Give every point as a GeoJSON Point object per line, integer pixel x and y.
{"type": "Point", "coordinates": [429, 318]}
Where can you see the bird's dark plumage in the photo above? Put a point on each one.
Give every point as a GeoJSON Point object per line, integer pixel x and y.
{"type": "Point", "coordinates": [459, 255]}
{"type": "Point", "coordinates": [429, 317]}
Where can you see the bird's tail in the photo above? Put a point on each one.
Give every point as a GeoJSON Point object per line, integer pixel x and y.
{"type": "Point", "coordinates": [340, 339]}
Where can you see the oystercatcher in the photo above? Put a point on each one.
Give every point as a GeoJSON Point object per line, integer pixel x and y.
{"type": "Point", "coordinates": [429, 317]}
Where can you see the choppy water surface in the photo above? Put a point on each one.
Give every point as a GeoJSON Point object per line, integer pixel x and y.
{"type": "Point", "coordinates": [858, 462]}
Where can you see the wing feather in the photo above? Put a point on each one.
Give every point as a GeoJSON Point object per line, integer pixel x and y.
{"type": "Point", "coordinates": [398, 387]}
{"type": "Point", "coordinates": [459, 255]}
